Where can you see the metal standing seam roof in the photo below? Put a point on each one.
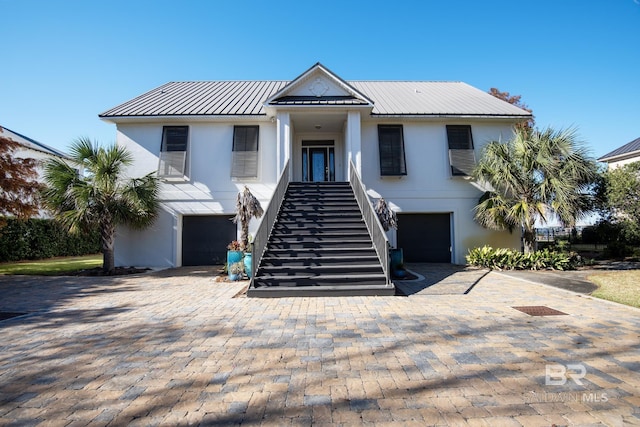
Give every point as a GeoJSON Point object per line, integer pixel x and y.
{"type": "Point", "coordinates": [32, 143]}
{"type": "Point", "coordinates": [220, 98]}
{"type": "Point", "coordinates": [631, 147]}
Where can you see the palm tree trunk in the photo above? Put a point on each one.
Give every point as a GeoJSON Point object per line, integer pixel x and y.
{"type": "Point", "coordinates": [108, 233]}
{"type": "Point", "coordinates": [529, 239]}
{"type": "Point", "coordinates": [244, 237]}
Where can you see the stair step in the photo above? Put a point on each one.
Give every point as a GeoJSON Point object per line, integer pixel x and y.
{"type": "Point", "coordinates": [348, 244]}
{"type": "Point", "coordinates": [297, 261]}
{"type": "Point", "coordinates": [320, 232]}
{"type": "Point", "coordinates": [310, 204]}
{"type": "Point", "coordinates": [318, 270]}
{"type": "Point", "coordinates": [320, 235]}
{"type": "Point", "coordinates": [322, 210]}
{"type": "Point", "coordinates": [342, 279]}
{"type": "Point", "coordinates": [336, 214]}
{"type": "Point", "coordinates": [328, 220]}
{"type": "Point", "coordinates": [321, 291]}
{"type": "Point", "coordinates": [319, 252]}
{"type": "Point", "coordinates": [356, 224]}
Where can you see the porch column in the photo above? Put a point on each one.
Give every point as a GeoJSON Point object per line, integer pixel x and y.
{"type": "Point", "coordinates": [354, 142]}
{"type": "Point", "coordinates": [283, 136]}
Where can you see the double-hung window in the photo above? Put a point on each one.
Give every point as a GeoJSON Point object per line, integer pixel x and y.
{"type": "Point", "coordinates": [173, 152]}
{"type": "Point", "coordinates": [461, 154]}
{"type": "Point", "coordinates": [245, 152]}
{"type": "Point", "coordinates": [391, 146]}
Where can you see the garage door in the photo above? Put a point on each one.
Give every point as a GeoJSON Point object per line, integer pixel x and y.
{"type": "Point", "coordinates": [425, 237]}
{"type": "Point", "coordinates": [205, 239]}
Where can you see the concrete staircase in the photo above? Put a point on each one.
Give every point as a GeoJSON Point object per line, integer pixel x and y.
{"type": "Point", "coordinates": [319, 246]}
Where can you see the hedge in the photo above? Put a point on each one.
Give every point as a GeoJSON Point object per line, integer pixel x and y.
{"type": "Point", "coordinates": [43, 238]}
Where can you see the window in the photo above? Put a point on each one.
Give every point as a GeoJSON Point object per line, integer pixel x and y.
{"type": "Point", "coordinates": [173, 152]}
{"type": "Point", "coordinates": [462, 157]}
{"type": "Point", "coordinates": [245, 152]}
{"type": "Point", "coordinates": [391, 145]}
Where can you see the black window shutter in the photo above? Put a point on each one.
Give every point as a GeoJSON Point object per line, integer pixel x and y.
{"type": "Point", "coordinates": [461, 154]}
{"type": "Point", "coordinates": [174, 138]}
{"type": "Point", "coordinates": [245, 152]}
{"type": "Point", "coordinates": [391, 148]}
{"type": "Point", "coordinates": [172, 162]}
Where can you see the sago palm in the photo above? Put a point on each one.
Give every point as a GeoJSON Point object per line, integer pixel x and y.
{"type": "Point", "coordinates": [247, 207]}
{"type": "Point", "coordinates": [536, 175]}
{"type": "Point", "coordinates": [100, 196]}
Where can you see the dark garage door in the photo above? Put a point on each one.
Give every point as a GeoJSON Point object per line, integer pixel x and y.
{"type": "Point", "coordinates": [425, 237]}
{"type": "Point", "coordinates": [205, 239]}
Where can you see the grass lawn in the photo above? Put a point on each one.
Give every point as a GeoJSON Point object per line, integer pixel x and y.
{"type": "Point", "coordinates": [618, 286]}
{"type": "Point", "coordinates": [52, 266]}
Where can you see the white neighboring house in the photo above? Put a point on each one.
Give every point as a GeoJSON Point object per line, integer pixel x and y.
{"type": "Point", "coordinates": [32, 149]}
{"type": "Point", "coordinates": [626, 154]}
{"type": "Point", "coordinates": [412, 142]}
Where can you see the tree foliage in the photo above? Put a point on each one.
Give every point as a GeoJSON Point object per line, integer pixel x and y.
{"type": "Point", "coordinates": [532, 177]}
{"type": "Point", "coordinates": [517, 101]}
{"type": "Point", "coordinates": [19, 186]}
{"type": "Point", "coordinates": [620, 188]}
{"type": "Point", "coordinates": [102, 198]}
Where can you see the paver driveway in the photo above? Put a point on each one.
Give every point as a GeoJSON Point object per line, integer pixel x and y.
{"type": "Point", "coordinates": [177, 348]}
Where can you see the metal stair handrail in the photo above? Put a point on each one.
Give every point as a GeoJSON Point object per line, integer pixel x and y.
{"type": "Point", "coordinates": [378, 235]}
{"type": "Point", "coordinates": [268, 220]}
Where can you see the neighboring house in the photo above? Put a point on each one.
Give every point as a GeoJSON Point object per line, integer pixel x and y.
{"type": "Point", "coordinates": [32, 149]}
{"type": "Point", "coordinates": [628, 153]}
{"type": "Point", "coordinates": [412, 142]}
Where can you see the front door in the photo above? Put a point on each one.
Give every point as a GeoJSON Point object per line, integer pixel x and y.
{"type": "Point", "coordinates": [318, 161]}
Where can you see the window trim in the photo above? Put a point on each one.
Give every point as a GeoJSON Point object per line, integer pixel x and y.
{"type": "Point", "coordinates": [237, 154]}
{"type": "Point", "coordinates": [173, 157]}
{"type": "Point", "coordinates": [457, 154]}
{"type": "Point", "coordinates": [401, 168]}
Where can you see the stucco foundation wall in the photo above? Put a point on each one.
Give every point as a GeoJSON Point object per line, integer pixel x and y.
{"type": "Point", "coordinates": [428, 186]}
{"type": "Point", "coordinates": [153, 247]}
{"type": "Point", "coordinates": [208, 188]}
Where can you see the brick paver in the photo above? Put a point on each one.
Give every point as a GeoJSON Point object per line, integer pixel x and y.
{"type": "Point", "coordinates": [176, 348]}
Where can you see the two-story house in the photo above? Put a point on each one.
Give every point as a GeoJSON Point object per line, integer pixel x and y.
{"type": "Point", "coordinates": [412, 142]}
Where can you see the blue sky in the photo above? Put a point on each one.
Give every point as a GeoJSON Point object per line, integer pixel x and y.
{"type": "Point", "coordinates": [575, 63]}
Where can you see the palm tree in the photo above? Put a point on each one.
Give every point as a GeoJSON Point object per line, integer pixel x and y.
{"type": "Point", "coordinates": [102, 196]}
{"type": "Point", "coordinates": [534, 176]}
{"type": "Point", "coordinates": [247, 207]}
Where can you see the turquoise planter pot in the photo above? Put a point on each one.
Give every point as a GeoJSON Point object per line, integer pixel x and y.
{"type": "Point", "coordinates": [234, 256]}
{"type": "Point", "coordinates": [397, 258]}
{"type": "Point", "coordinates": [247, 264]}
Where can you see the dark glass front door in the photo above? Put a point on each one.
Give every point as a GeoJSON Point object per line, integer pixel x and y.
{"type": "Point", "coordinates": [318, 161]}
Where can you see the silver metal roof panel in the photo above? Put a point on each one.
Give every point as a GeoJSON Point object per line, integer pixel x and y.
{"type": "Point", "coordinates": [631, 147]}
{"type": "Point", "coordinates": [390, 98]}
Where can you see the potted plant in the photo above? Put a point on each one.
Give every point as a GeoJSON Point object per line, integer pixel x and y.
{"type": "Point", "coordinates": [247, 257]}
{"type": "Point", "coordinates": [247, 207]}
{"type": "Point", "coordinates": [235, 271]}
{"type": "Point", "coordinates": [234, 252]}
{"type": "Point", "coordinates": [388, 220]}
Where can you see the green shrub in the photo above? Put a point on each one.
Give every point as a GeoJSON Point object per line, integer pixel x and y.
{"type": "Point", "coordinates": [509, 259]}
{"type": "Point", "coordinates": [43, 238]}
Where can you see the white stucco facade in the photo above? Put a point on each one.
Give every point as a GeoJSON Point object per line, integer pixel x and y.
{"type": "Point", "coordinates": [350, 132]}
